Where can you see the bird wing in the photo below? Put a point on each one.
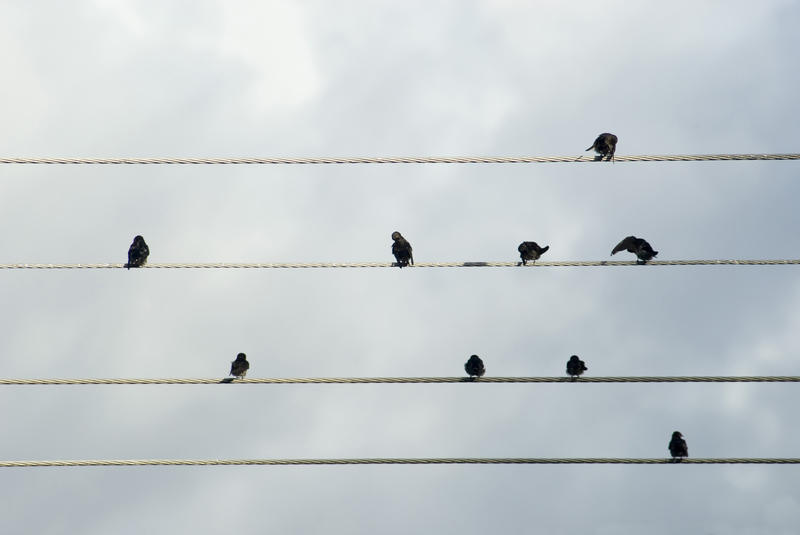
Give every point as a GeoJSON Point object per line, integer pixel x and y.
{"type": "Point", "coordinates": [624, 245]}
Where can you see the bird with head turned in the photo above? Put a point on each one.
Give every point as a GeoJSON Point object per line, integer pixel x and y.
{"type": "Point", "coordinates": [240, 366]}
{"type": "Point", "coordinates": [575, 367]}
{"type": "Point", "coordinates": [401, 250]}
{"type": "Point", "coordinates": [677, 447]}
{"type": "Point", "coordinates": [605, 146]}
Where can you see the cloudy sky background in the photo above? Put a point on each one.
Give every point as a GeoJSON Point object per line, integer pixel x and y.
{"type": "Point", "coordinates": [438, 78]}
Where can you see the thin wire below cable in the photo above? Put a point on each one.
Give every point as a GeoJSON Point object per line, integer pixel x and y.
{"type": "Point", "coordinates": [313, 265]}
{"type": "Point", "coordinates": [391, 160]}
{"type": "Point", "coordinates": [406, 380]}
{"type": "Point", "coordinates": [384, 461]}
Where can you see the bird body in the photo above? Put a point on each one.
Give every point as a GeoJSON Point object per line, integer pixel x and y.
{"type": "Point", "coordinates": [474, 367]}
{"type": "Point", "coordinates": [530, 250]}
{"type": "Point", "coordinates": [240, 366]}
{"type": "Point", "coordinates": [401, 250]}
{"type": "Point", "coordinates": [677, 447]}
{"type": "Point", "coordinates": [605, 145]}
{"type": "Point", "coordinates": [137, 253]}
{"type": "Point", "coordinates": [575, 366]}
{"type": "Point", "coordinates": [638, 246]}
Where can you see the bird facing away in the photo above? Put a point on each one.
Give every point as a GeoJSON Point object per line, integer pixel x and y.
{"type": "Point", "coordinates": [530, 250]}
{"type": "Point", "coordinates": [575, 367]}
{"type": "Point", "coordinates": [677, 447]}
{"type": "Point", "coordinates": [638, 246]}
{"type": "Point", "coordinates": [474, 367]}
{"type": "Point", "coordinates": [605, 145]}
{"type": "Point", "coordinates": [240, 366]}
{"type": "Point", "coordinates": [401, 250]}
{"type": "Point", "coordinates": [137, 253]}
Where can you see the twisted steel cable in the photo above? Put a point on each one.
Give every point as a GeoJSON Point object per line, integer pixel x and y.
{"type": "Point", "coordinates": [384, 461]}
{"type": "Point", "coordinates": [316, 265]}
{"type": "Point", "coordinates": [407, 380]}
{"type": "Point", "coordinates": [392, 160]}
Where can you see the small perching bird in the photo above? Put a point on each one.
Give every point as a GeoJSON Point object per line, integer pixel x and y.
{"type": "Point", "coordinates": [401, 250]}
{"type": "Point", "coordinates": [474, 367]}
{"type": "Point", "coordinates": [637, 246]}
{"type": "Point", "coordinates": [605, 145]}
{"type": "Point", "coordinates": [240, 366]}
{"type": "Point", "coordinates": [530, 250]}
{"type": "Point", "coordinates": [137, 253]}
{"type": "Point", "coordinates": [575, 367]}
{"type": "Point", "coordinates": [677, 447]}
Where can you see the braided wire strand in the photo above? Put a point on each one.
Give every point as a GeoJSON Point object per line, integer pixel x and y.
{"type": "Point", "coordinates": [383, 461]}
{"type": "Point", "coordinates": [392, 160]}
{"type": "Point", "coordinates": [312, 265]}
{"type": "Point", "coordinates": [406, 380]}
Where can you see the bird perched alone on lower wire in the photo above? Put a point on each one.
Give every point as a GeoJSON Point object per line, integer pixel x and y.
{"type": "Point", "coordinates": [137, 253]}
{"type": "Point", "coordinates": [605, 145]}
{"type": "Point", "coordinates": [677, 447]}
{"type": "Point", "coordinates": [530, 250]}
{"type": "Point", "coordinates": [575, 367]}
{"type": "Point", "coordinates": [401, 250]}
{"type": "Point", "coordinates": [240, 366]}
{"type": "Point", "coordinates": [474, 367]}
{"type": "Point", "coordinates": [637, 246]}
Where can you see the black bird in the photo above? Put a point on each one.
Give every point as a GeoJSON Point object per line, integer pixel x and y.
{"type": "Point", "coordinates": [605, 145]}
{"type": "Point", "coordinates": [401, 250]}
{"type": "Point", "coordinates": [575, 367]}
{"type": "Point", "coordinates": [240, 366]}
{"type": "Point", "coordinates": [677, 447]}
{"type": "Point", "coordinates": [530, 250]}
{"type": "Point", "coordinates": [474, 367]}
{"type": "Point", "coordinates": [638, 246]}
{"type": "Point", "coordinates": [137, 253]}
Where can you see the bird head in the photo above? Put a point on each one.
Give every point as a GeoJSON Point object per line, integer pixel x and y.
{"type": "Point", "coordinates": [396, 235]}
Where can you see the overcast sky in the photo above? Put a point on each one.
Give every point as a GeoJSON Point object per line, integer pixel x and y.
{"type": "Point", "coordinates": [114, 78]}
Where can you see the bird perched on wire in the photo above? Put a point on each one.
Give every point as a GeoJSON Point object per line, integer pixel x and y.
{"type": "Point", "coordinates": [240, 366]}
{"type": "Point", "coordinates": [575, 367]}
{"type": "Point", "coordinates": [530, 250]}
{"type": "Point", "coordinates": [605, 145]}
{"type": "Point", "coordinates": [677, 447]}
{"type": "Point", "coordinates": [137, 253]}
{"type": "Point", "coordinates": [401, 250]}
{"type": "Point", "coordinates": [474, 367]}
{"type": "Point", "coordinates": [638, 246]}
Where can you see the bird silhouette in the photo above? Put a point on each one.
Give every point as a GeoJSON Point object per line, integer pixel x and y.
{"type": "Point", "coordinates": [401, 250]}
{"type": "Point", "coordinates": [605, 145]}
{"type": "Point", "coordinates": [474, 367]}
{"type": "Point", "coordinates": [240, 366]}
{"type": "Point", "coordinates": [137, 253]}
{"type": "Point", "coordinates": [530, 250]}
{"type": "Point", "coordinates": [677, 447]}
{"type": "Point", "coordinates": [575, 367]}
{"type": "Point", "coordinates": [638, 246]}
